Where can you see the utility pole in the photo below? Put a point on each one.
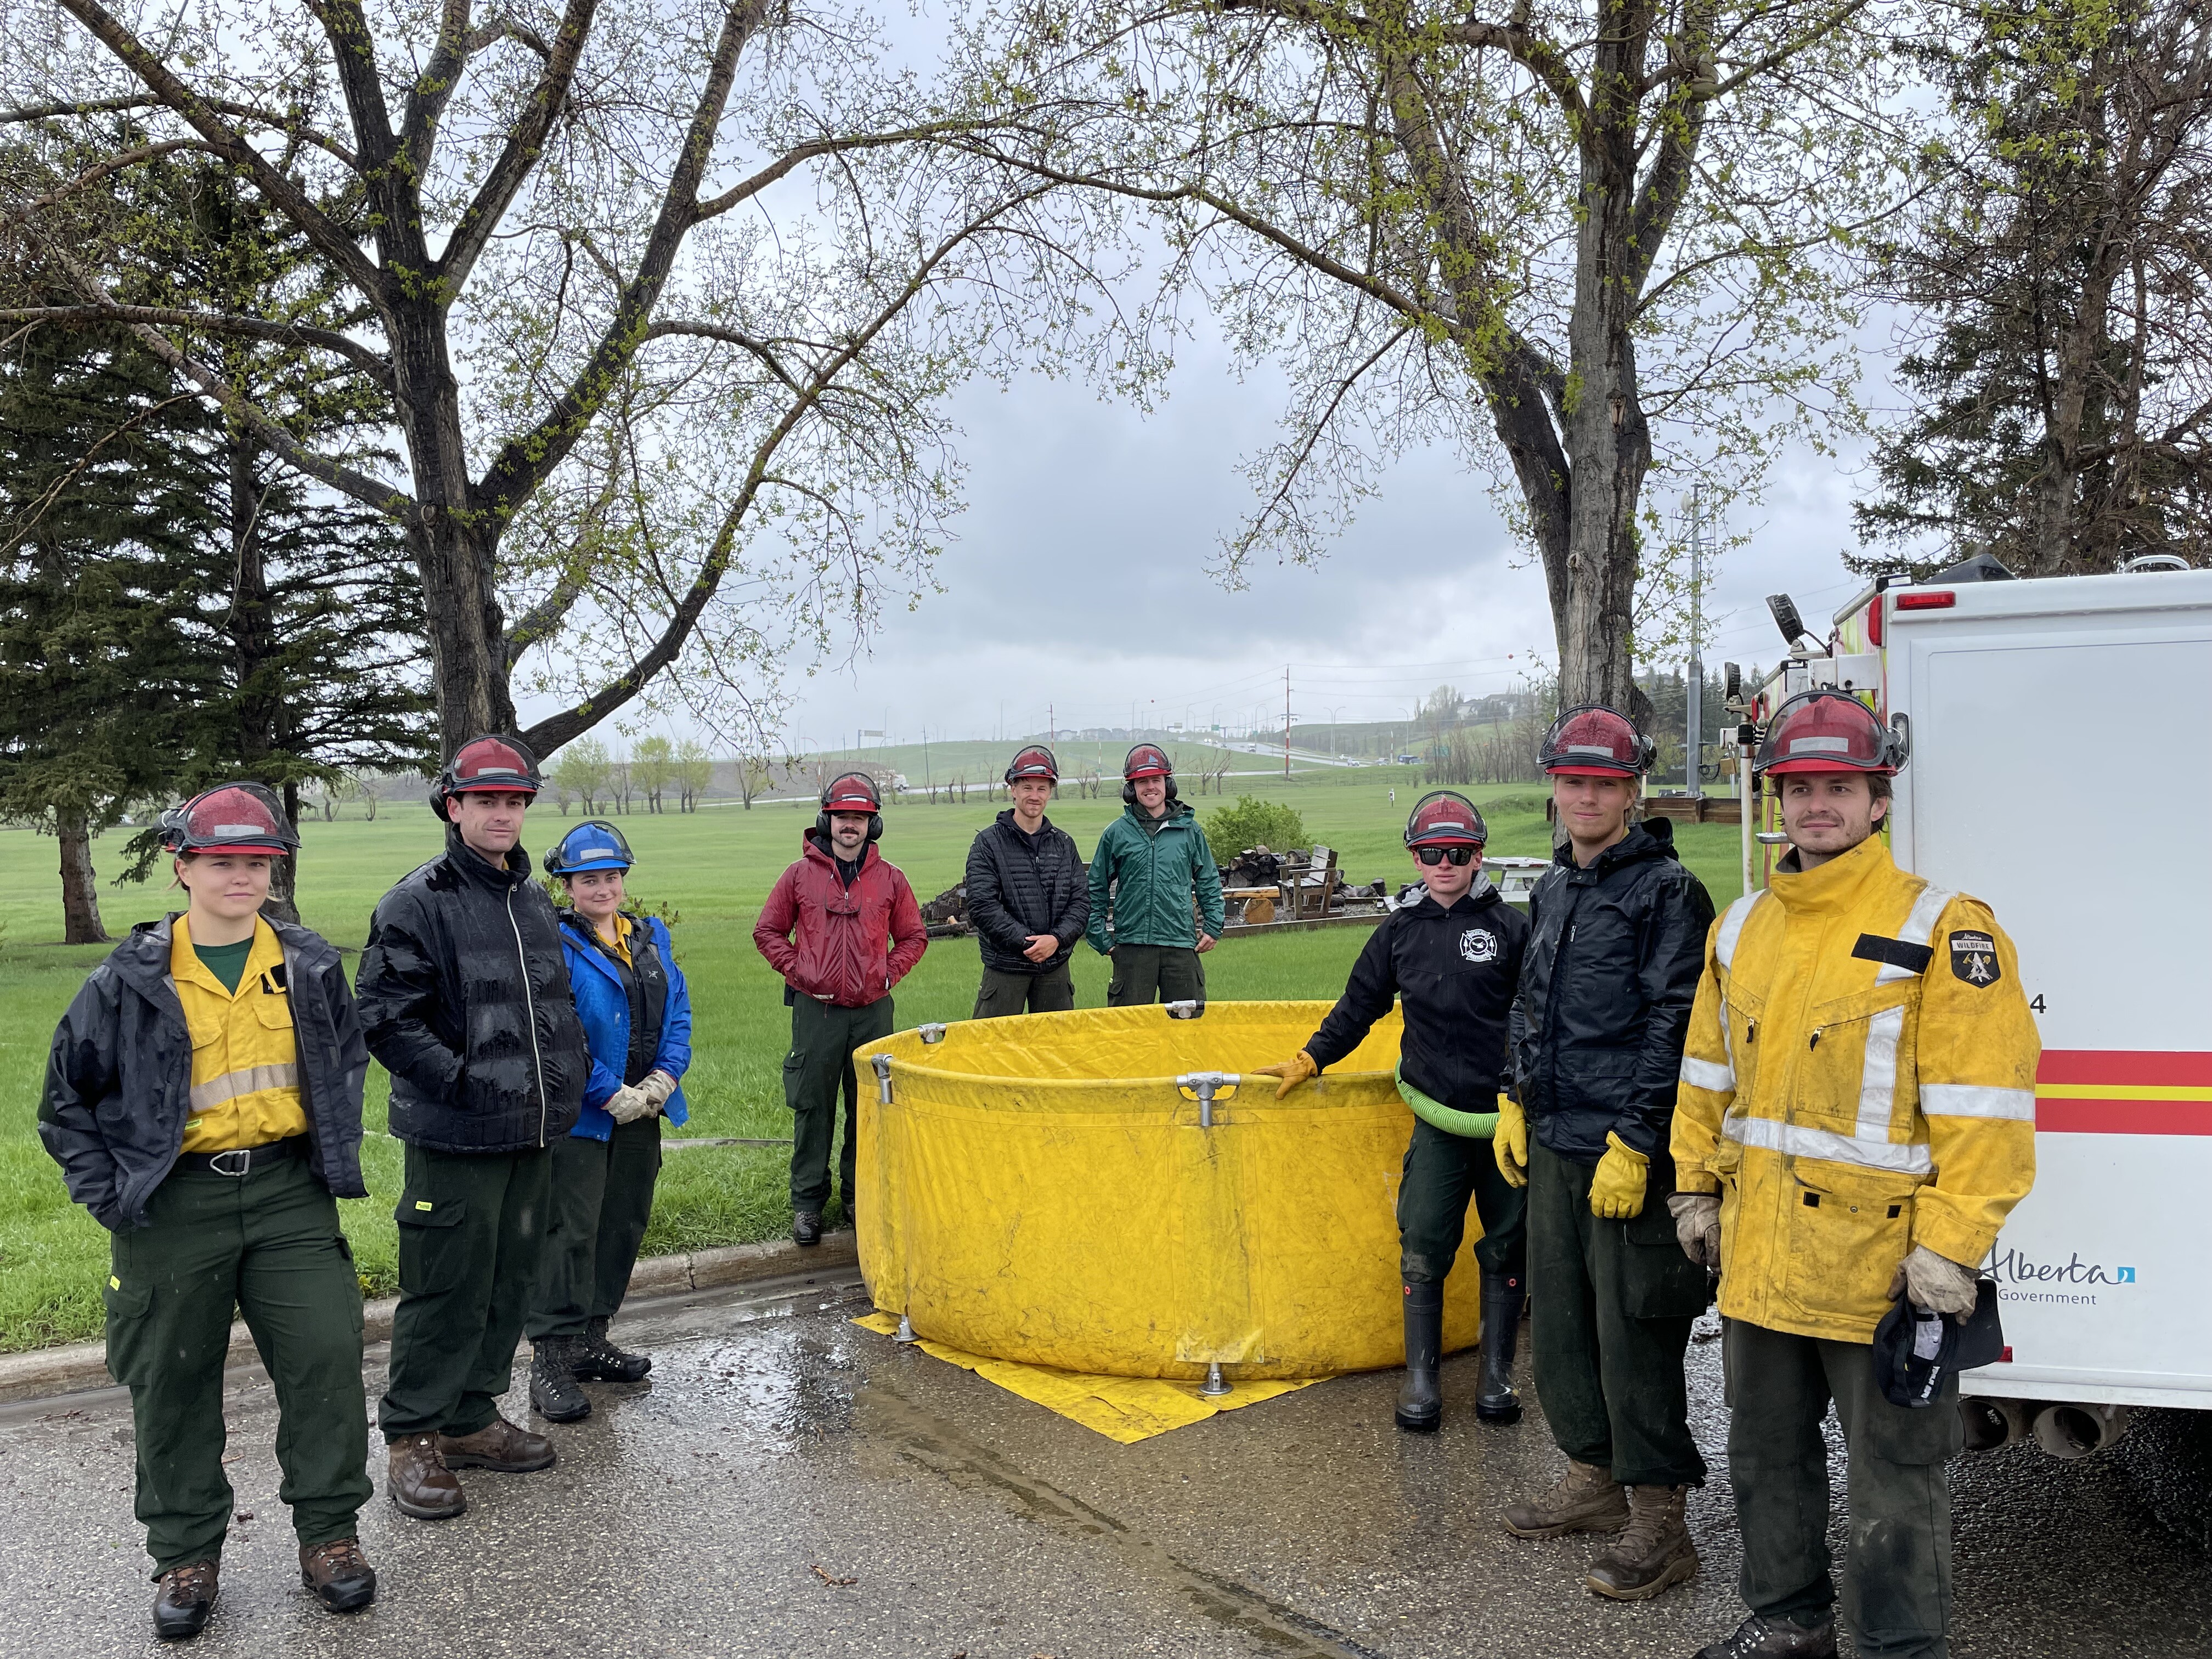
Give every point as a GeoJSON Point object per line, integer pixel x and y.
{"type": "Point", "coordinates": [1051, 726]}
{"type": "Point", "coordinates": [1696, 734]}
{"type": "Point", "coordinates": [1286, 719]}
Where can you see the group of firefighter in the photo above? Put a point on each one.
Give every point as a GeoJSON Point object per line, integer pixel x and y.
{"type": "Point", "coordinates": [1820, 1102]}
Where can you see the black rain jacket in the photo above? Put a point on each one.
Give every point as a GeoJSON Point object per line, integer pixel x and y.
{"type": "Point", "coordinates": [1013, 892]}
{"type": "Point", "coordinates": [1615, 955]}
{"type": "Point", "coordinates": [464, 999]}
{"type": "Point", "coordinates": [1454, 971]}
{"type": "Point", "coordinates": [119, 1075]}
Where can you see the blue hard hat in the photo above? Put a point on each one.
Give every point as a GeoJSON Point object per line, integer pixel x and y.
{"type": "Point", "coordinates": [594, 844]}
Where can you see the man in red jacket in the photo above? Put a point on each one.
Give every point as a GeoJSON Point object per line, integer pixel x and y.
{"type": "Point", "coordinates": [842, 927]}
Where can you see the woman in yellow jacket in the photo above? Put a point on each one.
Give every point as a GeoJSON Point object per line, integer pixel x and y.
{"type": "Point", "coordinates": [1855, 1120]}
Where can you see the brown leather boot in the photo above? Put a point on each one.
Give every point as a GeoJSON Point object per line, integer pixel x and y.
{"type": "Point", "coordinates": [339, 1574]}
{"type": "Point", "coordinates": [185, 1600]}
{"type": "Point", "coordinates": [418, 1481]}
{"type": "Point", "coordinates": [499, 1447]}
{"type": "Point", "coordinates": [1587, 1499]}
{"type": "Point", "coordinates": [1653, 1551]}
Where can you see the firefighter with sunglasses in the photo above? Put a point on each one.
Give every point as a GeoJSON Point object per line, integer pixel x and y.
{"type": "Point", "coordinates": [1454, 961]}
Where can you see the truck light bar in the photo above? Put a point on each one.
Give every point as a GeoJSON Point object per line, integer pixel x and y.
{"type": "Point", "coordinates": [1933, 599]}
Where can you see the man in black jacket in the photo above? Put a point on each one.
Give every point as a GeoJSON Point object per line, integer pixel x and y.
{"type": "Point", "coordinates": [1028, 897]}
{"type": "Point", "coordinates": [1453, 960]}
{"type": "Point", "coordinates": [465, 999]}
{"type": "Point", "coordinates": [1616, 945]}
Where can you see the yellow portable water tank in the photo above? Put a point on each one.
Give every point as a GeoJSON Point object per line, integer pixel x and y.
{"type": "Point", "coordinates": [1058, 1189]}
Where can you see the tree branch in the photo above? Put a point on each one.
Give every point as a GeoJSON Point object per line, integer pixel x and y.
{"type": "Point", "coordinates": [377, 368]}
{"type": "Point", "coordinates": [289, 126]}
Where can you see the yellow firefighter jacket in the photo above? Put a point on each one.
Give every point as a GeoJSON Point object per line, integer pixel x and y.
{"type": "Point", "coordinates": [1859, 1078]}
{"type": "Point", "coordinates": [245, 1073]}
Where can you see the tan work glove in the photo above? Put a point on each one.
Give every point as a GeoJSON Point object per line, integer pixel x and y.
{"type": "Point", "coordinates": [628, 1103]}
{"type": "Point", "coordinates": [1617, 1190]}
{"type": "Point", "coordinates": [1697, 1227]}
{"type": "Point", "coordinates": [1935, 1283]}
{"type": "Point", "coordinates": [657, 1086]}
{"type": "Point", "coordinates": [1509, 1145]}
{"type": "Point", "coordinates": [1293, 1071]}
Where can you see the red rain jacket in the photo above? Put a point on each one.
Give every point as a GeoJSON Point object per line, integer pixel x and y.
{"type": "Point", "coordinates": [853, 943]}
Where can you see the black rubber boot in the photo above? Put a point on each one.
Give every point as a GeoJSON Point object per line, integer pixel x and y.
{"type": "Point", "coordinates": [596, 1357]}
{"type": "Point", "coordinates": [1421, 1401]}
{"type": "Point", "coordinates": [555, 1394]}
{"type": "Point", "coordinates": [1495, 1400]}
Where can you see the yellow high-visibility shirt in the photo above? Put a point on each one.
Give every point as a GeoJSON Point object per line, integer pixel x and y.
{"type": "Point", "coordinates": [246, 1063]}
{"type": "Point", "coordinates": [1859, 1078]}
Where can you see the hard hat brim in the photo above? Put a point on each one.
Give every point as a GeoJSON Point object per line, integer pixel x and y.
{"type": "Point", "coordinates": [1829, 763]}
{"type": "Point", "coordinates": [1594, 769]}
{"type": "Point", "coordinates": [217, 849]}
{"type": "Point", "coordinates": [493, 786]}
{"type": "Point", "coordinates": [586, 865]}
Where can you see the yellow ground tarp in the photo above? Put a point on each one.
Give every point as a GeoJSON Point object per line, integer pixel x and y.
{"type": "Point", "coordinates": [1043, 1190]}
{"type": "Point", "coordinates": [1124, 1408]}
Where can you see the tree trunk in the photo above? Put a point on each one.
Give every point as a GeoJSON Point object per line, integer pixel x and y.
{"type": "Point", "coordinates": [80, 891]}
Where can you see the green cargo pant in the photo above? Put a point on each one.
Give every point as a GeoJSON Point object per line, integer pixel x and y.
{"type": "Point", "coordinates": [819, 1068]}
{"type": "Point", "coordinates": [1897, 1576]}
{"type": "Point", "coordinates": [1155, 973]}
{"type": "Point", "coordinates": [602, 1199]}
{"type": "Point", "coordinates": [1442, 1171]}
{"type": "Point", "coordinates": [471, 1228]}
{"type": "Point", "coordinates": [1052, 991]}
{"type": "Point", "coordinates": [267, 1244]}
{"type": "Point", "coordinates": [1613, 1301]}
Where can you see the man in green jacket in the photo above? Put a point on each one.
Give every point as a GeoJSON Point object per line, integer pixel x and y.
{"type": "Point", "coordinates": [1149, 863]}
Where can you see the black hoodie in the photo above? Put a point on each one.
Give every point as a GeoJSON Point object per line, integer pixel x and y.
{"type": "Point", "coordinates": [1615, 953]}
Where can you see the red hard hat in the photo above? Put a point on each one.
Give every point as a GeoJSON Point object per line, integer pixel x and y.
{"type": "Point", "coordinates": [483, 764]}
{"type": "Point", "coordinates": [1444, 819]}
{"type": "Point", "coordinates": [852, 792]}
{"type": "Point", "coordinates": [1146, 761]}
{"type": "Point", "coordinates": [232, 818]}
{"type": "Point", "coordinates": [1595, 741]}
{"type": "Point", "coordinates": [1829, 731]}
{"type": "Point", "coordinates": [1034, 761]}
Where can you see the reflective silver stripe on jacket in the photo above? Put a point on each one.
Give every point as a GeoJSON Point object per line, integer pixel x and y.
{"type": "Point", "coordinates": [252, 1080]}
{"type": "Point", "coordinates": [1974, 1100]}
{"type": "Point", "coordinates": [1886, 1030]}
{"type": "Point", "coordinates": [1919, 924]}
{"type": "Point", "coordinates": [1708, 1074]}
{"type": "Point", "coordinates": [1795, 1140]}
{"type": "Point", "coordinates": [1732, 922]}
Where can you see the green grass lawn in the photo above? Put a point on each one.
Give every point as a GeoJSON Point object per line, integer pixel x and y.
{"type": "Point", "coordinates": [712, 869]}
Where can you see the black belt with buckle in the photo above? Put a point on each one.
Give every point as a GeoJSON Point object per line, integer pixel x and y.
{"type": "Point", "coordinates": [245, 1160]}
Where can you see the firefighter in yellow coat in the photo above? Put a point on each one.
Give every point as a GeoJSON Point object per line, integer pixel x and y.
{"type": "Point", "coordinates": [1856, 1119]}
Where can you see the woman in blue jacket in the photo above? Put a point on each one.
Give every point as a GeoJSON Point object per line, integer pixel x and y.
{"type": "Point", "coordinates": [636, 1014]}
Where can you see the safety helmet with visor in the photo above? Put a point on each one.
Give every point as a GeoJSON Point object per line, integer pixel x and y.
{"type": "Point", "coordinates": [1146, 760]}
{"type": "Point", "coordinates": [1594, 741]}
{"type": "Point", "coordinates": [1445, 825]}
{"type": "Point", "coordinates": [594, 844]}
{"type": "Point", "coordinates": [1034, 761]}
{"type": "Point", "coordinates": [491, 764]}
{"type": "Point", "coordinates": [1828, 730]}
{"type": "Point", "coordinates": [854, 792]}
{"type": "Point", "coordinates": [242, 818]}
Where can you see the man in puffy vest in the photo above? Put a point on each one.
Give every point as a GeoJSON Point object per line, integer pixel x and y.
{"type": "Point", "coordinates": [1147, 867]}
{"type": "Point", "coordinates": [842, 928]}
{"type": "Point", "coordinates": [1451, 962]}
{"type": "Point", "coordinates": [1857, 1120]}
{"type": "Point", "coordinates": [1027, 896]}
{"type": "Point", "coordinates": [1615, 926]}
{"type": "Point", "coordinates": [464, 999]}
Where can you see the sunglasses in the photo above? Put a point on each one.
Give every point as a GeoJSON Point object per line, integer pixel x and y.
{"type": "Point", "coordinates": [1433, 856]}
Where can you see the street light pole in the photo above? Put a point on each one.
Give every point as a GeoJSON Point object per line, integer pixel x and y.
{"type": "Point", "coordinates": [1695, 736]}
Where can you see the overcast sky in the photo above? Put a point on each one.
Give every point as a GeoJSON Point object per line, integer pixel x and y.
{"type": "Point", "coordinates": [1079, 582]}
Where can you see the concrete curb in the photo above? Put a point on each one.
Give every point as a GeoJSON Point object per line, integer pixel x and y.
{"type": "Point", "coordinates": [81, 1366]}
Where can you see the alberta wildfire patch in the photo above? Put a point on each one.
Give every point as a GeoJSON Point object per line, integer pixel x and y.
{"type": "Point", "coordinates": [1974, 958]}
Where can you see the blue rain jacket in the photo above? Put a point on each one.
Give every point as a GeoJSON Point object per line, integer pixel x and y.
{"type": "Point", "coordinates": [604, 1007]}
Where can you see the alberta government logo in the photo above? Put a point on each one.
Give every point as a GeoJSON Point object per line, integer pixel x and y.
{"type": "Point", "coordinates": [2072, 1282]}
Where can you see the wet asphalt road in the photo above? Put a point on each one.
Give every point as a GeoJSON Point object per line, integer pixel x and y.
{"type": "Point", "coordinates": [787, 1484]}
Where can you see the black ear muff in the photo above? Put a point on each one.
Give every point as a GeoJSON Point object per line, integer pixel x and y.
{"type": "Point", "coordinates": [822, 825]}
{"type": "Point", "coordinates": [1173, 794]}
{"type": "Point", "coordinates": [1647, 749]}
{"type": "Point", "coordinates": [1129, 795]}
{"type": "Point", "coordinates": [875, 826]}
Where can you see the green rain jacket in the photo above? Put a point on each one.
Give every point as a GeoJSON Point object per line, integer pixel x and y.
{"type": "Point", "coordinates": [1152, 874]}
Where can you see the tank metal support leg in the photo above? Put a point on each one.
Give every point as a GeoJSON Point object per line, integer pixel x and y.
{"type": "Point", "coordinates": [905, 1330]}
{"type": "Point", "coordinates": [1214, 1387]}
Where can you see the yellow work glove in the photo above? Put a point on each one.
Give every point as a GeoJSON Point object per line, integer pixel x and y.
{"type": "Point", "coordinates": [1617, 1190]}
{"type": "Point", "coordinates": [1509, 1145]}
{"type": "Point", "coordinates": [1293, 1071]}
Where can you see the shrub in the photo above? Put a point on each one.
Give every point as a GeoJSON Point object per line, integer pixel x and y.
{"type": "Point", "coordinates": [1251, 822]}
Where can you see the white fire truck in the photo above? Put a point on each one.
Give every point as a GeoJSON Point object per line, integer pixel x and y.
{"type": "Point", "coordinates": [2058, 772]}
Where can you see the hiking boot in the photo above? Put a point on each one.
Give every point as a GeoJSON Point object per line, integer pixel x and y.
{"type": "Point", "coordinates": [596, 1357]}
{"type": "Point", "coordinates": [1587, 1499]}
{"type": "Point", "coordinates": [185, 1600]}
{"type": "Point", "coordinates": [499, 1447]}
{"type": "Point", "coordinates": [1421, 1401]}
{"type": "Point", "coordinates": [339, 1574]}
{"type": "Point", "coordinates": [555, 1394]}
{"type": "Point", "coordinates": [1653, 1551]}
{"type": "Point", "coordinates": [1495, 1400]}
{"type": "Point", "coordinates": [418, 1481]}
{"type": "Point", "coordinates": [1775, 1638]}
{"type": "Point", "coordinates": [807, 1226]}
